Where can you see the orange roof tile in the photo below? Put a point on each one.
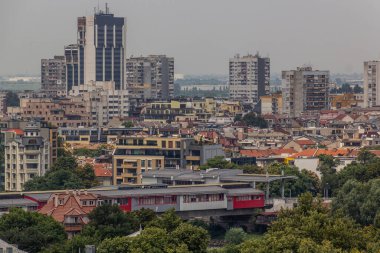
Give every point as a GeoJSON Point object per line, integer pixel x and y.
{"type": "Point", "coordinates": [71, 205]}
{"type": "Point", "coordinates": [266, 152]}
{"type": "Point", "coordinates": [15, 130]}
{"type": "Point", "coordinates": [101, 170]}
{"type": "Point", "coordinates": [317, 152]}
{"type": "Point", "coordinates": [305, 142]}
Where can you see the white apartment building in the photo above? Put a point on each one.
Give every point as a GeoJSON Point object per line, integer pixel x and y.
{"type": "Point", "coordinates": [371, 83]}
{"type": "Point", "coordinates": [150, 77]}
{"type": "Point", "coordinates": [304, 90]}
{"type": "Point", "coordinates": [27, 155]}
{"type": "Point", "coordinates": [249, 78]}
{"type": "Point", "coordinates": [103, 101]}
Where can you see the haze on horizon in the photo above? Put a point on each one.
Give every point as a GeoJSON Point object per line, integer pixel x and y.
{"type": "Point", "coordinates": [201, 35]}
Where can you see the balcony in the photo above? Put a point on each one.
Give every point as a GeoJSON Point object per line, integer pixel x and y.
{"type": "Point", "coordinates": [193, 158]}
{"type": "Point", "coordinates": [128, 174]}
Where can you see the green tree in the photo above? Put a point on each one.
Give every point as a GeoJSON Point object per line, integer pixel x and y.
{"type": "Point", "coordinates": [107, 221]}
{"type": "Point", "coordinates": [360, 201]}
{"type": "Point", "coordinates": [115, 245]}
{"type": "Point", "coordinates": [151, 240]}
{"type": "Point", "coordinates": [235, 236]}
{"type": "Point", "coordinates": [31, 231]}
{"type": "Point", "coordinates": [327, 165]}
{"type": "Point", "coordinates": [251, 119]}
{"type": "Point", "coordinates": [12, 99]}
{"type": "Point", "coordinates": [366, 156]}
{"type": "Point", "coordinates": [169, 221]}
{"type": "Point", "coordinates": [309, 228]}
{"type": "Point", "coordinates": [195, 238]}
{"type": "Point", "coordinates": [145, 216]}
{"type": "Point", "coordinates": [64, 174]}
{"type": "Point", "coordinates": [68, 162]}
{"type": "Point", "coordinates": [87, 175]}
{"type": "Point", "coordinates": [306, 181]}
{"type": "Point", "coordinates": [218, 162]}
{"type": "Point", "coordinates": [128, 124]}
{"type": "Point", "coordinates": [358, 89]}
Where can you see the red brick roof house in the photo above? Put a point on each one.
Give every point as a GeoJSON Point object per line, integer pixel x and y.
{"type": "Point", "coordinates": [300, 144]}
{"type": "Point", "coordinates": [71, 209]}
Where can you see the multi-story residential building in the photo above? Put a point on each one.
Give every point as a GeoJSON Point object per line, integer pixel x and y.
{"type": "Point", "coordinates": [136, 154]}
{"type": "Point", "coordinates": [3, 103]}
{"type": "Point", "coordinates": [150, 77]}
{"type": "Point", "coordinates": [100, 52]}
{"type": "Point", "coordinates": [371, 83]}
{"type": "Point", "coordinates": [103, 101]}
{"type": "Point", "coordinates": [249, 78]}
{"type": "Point", "coordinates": [230, 108]}
{"type": "Point", "coordinates": [304, 90]}
{"type": "Point", "coordinates": [53, 75]}
{"type": "Point", "coordinates": [47, 131]}
{"type": "Point", "coordinates": [58, 112]}
{"type": "Point", "coordinates": [345, 101]}
{"type": "Point", "coordinates": [271, 104]}
{"type": "Point", "coordinates": [168, 111]}
{"type": "Point", "coordinates": [157, 152]}
{"type": "Point", "coordinates": [26, 156]}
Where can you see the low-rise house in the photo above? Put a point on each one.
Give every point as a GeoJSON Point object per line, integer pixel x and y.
{"type": "Point", "coordinates": [71, 209]}
{"type": "Point", "coordinates": [300, 144]}
{"type": "Point", "coordinates": [103, 173]}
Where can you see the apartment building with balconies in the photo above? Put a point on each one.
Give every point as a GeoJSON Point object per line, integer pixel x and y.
{"type": "Point", "coordinates": [26, 155]}
{"type": "Point", "coordinates": [249, 78]}
{"type": "Point", "coordinates": [137, 154]}
{"type": "Point", "coordinates": [371, 83]}
{"type": "Point", "coordinates": [304, 90]}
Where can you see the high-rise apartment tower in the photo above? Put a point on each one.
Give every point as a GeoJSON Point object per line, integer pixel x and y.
{"type": "Point", "coordinates": [249, 78]}
{"type": "Point", "coordinates": [371, 83]}
{"type": "Point", "coordinates": [304, 90]}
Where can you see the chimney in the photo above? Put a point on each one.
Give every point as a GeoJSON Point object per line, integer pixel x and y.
{"type": "Point", "coordinates": [55, 199]}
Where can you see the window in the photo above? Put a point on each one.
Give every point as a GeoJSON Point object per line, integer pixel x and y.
{"type": "Point", "coordinates": [163, 144]}
{"type": "Point", "coordinates": [170, 144]}
{"type": "Point", "coordinates": [248, 197]}
{"type": "Point", "coordinates": [203, 198]}
{"type": "Point", "coordinates": [157, 200]}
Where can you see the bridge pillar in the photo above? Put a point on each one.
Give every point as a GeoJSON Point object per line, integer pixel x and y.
{"type": "Point", "coordinates": [282, 188]}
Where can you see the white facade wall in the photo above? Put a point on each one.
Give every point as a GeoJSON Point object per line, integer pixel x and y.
{"type": "Point", "coordinates": [89, 51]}
{"type": "Point", "coordinates": [102, 101]}
{"type": "Point", "coordinates": [244, 80]}
{"type": "Point", "coordinates": [371, 83]}
{"type": "Point", "coordinates": [202, 205]}
{"type": "Point", "coordinates": [16, 159]}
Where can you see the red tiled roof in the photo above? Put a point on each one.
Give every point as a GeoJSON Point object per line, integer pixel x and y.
{"type": "Point", "coordinates": [266, 152]}
{"type": "Point", "coordinates": [341, 116]}
{"type": "Point", "coordinates": [317, 152]}
{"type": "Point", "coordinates": [101, 170]}
{"type": "Point", "coordinates": [305, 142]}
{"type": "Point", "coordinates": [71, 205]}
{"type": "Point", "coordinates": [375, 152]}
{"type": "Point", "coordinates": [15, 130]}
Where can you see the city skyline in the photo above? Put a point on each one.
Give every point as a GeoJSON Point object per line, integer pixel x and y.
{"type": "Point", "coordinates": [325, 34]}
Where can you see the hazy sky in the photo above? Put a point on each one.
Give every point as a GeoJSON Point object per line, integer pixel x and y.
{"type": "Point", "coordinates": [337, 35]}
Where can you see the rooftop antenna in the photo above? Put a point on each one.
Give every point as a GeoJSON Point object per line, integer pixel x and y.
{"type": "Point", "coordinates": [106, 8]}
